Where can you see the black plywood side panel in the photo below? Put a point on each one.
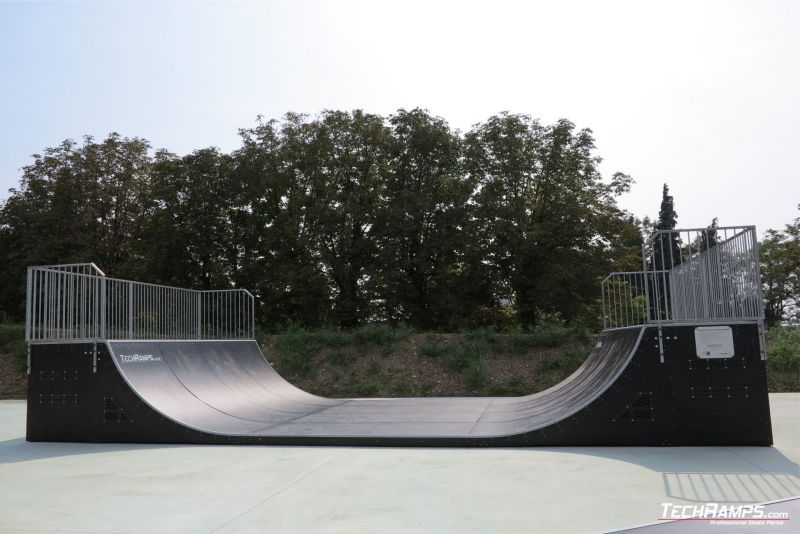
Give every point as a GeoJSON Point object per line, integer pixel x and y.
{"type": "Point", "coordinates": [614, 399]}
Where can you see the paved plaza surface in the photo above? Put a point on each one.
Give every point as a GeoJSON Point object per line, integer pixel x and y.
{"type": "Point", "coordinates": [105, 488]}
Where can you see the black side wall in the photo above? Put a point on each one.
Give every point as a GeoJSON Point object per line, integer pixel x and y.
{"type": "Point", "coordinates": [682, 401]}
{"type": "Point", "coordinates": [67, 401]}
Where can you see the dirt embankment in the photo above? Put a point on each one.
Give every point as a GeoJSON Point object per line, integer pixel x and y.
{"type": "Point", "coordinates": [425, 364]}
{"type": "Point", "coordinates": [13, 380]}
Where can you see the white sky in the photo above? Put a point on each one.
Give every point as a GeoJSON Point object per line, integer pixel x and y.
{"type": "Point", "coordinates": [704, 96]}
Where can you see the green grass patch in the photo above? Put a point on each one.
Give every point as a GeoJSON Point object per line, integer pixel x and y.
{"type": "Point", "coordinates": [464, 356]}
{"type": "Point", "coordinates": [485, 337]}
{"type": "Point", "coordinates": [567, 359]}
{"type": "Point", "coordinates": [432, 348]}
{"type": "Point", "coordinates": [374, 368]}
{"type": "Point", "coordinates": [296, 348]}
{"type": "Point", "coordinates": [510, 387]}
{"type": "Point", "coordinates": [380, 335]}
{"type": "Point", "coordinates": [340, 358]}
{"type": "Point", "coordinates": [357, 388]}
{"type": "Point", "coordinates": [556, 335]}
{"type": "Point", "coordinates": [518, 340]}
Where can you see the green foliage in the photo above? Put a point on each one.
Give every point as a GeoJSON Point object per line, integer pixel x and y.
{"type": "Point", "coordinates": [484, 337]}
{"type": "Point", "coordinates": [12, 342]}
{"type": "Point", "coordinates": [541, 211]}
{"type": "Point", "coordinates": [510, 387]}
{"type": "Point", "coordinates": [296, 348]}
{"type": "Point", "coordinates": [465, 357]}
{"type": "Point", "coordinates": [783, 348]}
{"type": "Point", "coordinates": [340, 357]}
{"type": "Point", "coordinates": [344, 218]}
{"type": "Point", "coordinates": [550, 332]}
{"type": "Point", "coordinates": [374, 368]}
{"type": "Point", "coordinates": [780, 274]}
{"type": "Point", "coordinates": [550, 335]}
{"type": "Point", "coordinates": [357, 388]}
{"type": "Point", "coordinates": [567, 359]}
{"type": "Point", "coordinates": [669, 244]}
{"type": "Point", "coordinates": [75, 203]}
{"type": "Point", "coordinates": [421, 227]}
{"type": "Point", "coordinates": [380, 334]}
{"type": "Point", "coordinates": [332, 337]}
{"type": "Point", "coordinates": [783, 358]}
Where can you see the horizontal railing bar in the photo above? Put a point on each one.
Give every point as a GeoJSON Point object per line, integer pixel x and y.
{"type": "Point", "coordinates": [704, 229]}
{"type": "Point", "coordinates": [55, 267]}
{"type": "Point", "coordinates": [615, 273]}
{"type": "Point", "coordinates": [146, 284]}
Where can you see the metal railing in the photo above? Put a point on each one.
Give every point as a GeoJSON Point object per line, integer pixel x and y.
{"type": "Point", "coordinates": [691, 275]}
{"type": "Point", "coordinates": [78, 303]}
{"type": "Point", "coordinates": [624, 299]}
{"type": "Point", "coordinates": [721, 282]}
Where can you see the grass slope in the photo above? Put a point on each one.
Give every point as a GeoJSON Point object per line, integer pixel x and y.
{"type": "Point", "coordinates": [377, 360]}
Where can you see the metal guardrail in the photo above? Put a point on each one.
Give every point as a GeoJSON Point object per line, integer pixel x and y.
{"type": "Point", "coordinates": [624, 299]}
{"type": "Point", "coordinates": [690, 275]}
{"type": "Point", "coordinates": [719, 283]}
{"type": "Point", "coordinates": [78, 303]}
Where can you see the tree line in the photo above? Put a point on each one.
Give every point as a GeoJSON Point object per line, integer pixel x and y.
{"type": "Point", "coordinates": [340, 218]}
{"type": "Point", "coordinates": [349, 217]}
{"type": "Point", "coordinates": [780, 274]}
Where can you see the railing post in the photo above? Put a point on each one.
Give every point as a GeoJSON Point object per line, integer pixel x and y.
{"type": "Point", "coordinates": [603, 301]}
{"type": "Point", "coordinates": [646, 284]}
{"type": "Point", "coordinates": [199, 315]}
{"type": "Point", "coordinates": [28, 316]}
{"type": "Point", "coordinates": [28, 299]}
{"type": "Point", "coordinates": [103, 304]}
{"type": "Point", "coordinates": [130, 310]}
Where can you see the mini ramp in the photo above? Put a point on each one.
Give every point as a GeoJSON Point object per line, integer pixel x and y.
{"type": "Point", "coordinates": [226, 392]}
{"type": "Point", "coordinates": [680, 362]}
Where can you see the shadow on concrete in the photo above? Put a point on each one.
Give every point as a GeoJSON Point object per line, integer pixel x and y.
{"type": "Point", "coordinates": [711, 474]}
{"type": "Point", "coordinates": [18, 450]}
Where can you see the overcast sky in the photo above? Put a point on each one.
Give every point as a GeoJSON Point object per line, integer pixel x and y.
{"type": "Point", "coordinates": [703, 96]}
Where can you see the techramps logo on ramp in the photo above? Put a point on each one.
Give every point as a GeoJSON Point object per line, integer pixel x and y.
{"type": "Point", "coordinates": [139, 358]}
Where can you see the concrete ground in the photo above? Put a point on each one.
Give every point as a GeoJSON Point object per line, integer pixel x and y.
{"type": "Point", "coordinates": [64, 487]}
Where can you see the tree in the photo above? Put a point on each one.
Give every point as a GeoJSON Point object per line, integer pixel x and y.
{"type": "Point", "coordinates": [667, 246]}
{"type": "Point", "coordinates": [188, 226]}
{"type": "Point", "coordinates": [282, 263]}
{"type": "Point", "coordinates": [780, 273]}
{"type": "Point", "coordinates": [420, 227]}
{"type": "Point", "coordinates": [75, 203]}
{"type": "Point", "coordinates": [547, 219]}
{"type": "Point", "coordinates": [704, 240]}
{"type": "Point", "coordinates": [341, 218]}
{"type": "Point", "coordinates": [345, 163]}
